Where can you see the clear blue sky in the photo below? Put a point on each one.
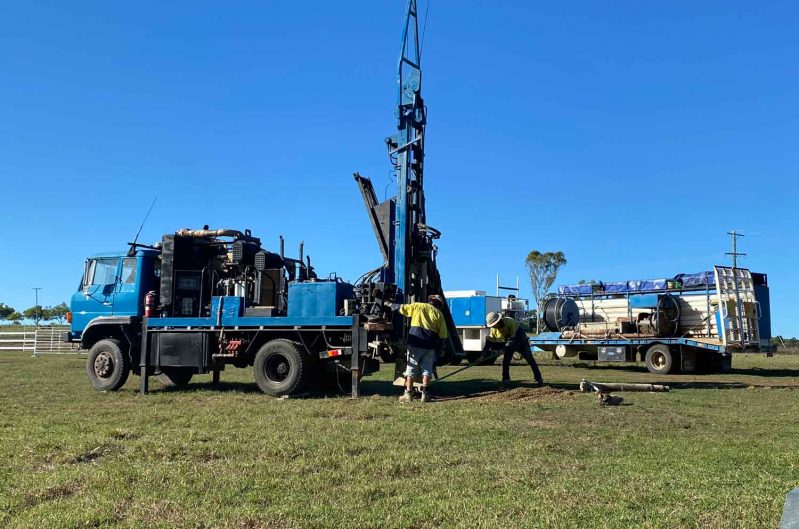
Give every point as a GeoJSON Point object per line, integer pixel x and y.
{"type": "Point", "coordinates": [630, 135]}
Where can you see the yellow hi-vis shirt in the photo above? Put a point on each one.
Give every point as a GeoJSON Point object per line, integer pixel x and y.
{"type": "Point", "coordinates": [425, 316]}
{"type": "Point", "coordinates": [503, 331]}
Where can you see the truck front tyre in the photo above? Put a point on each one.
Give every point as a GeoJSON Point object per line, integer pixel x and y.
{"type": "Point", "coordinates": [108, 365]}
{"type": "Point", "coordinates": [171, 377]}
{"type": "Point", "coordinates": [660, 359]}
{"type": "Point", "coordinates": [281, 368]}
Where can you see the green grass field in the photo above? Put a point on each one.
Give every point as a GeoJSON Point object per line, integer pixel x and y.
{"type": "Point", "coordinates": [718, 451]}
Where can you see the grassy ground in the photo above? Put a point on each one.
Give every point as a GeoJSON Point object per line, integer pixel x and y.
{"type": "Point", "coordinates": [718, 451]}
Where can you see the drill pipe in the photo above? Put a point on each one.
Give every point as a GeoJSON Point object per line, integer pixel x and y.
{"type": "Point", "coordinates": [601, 387]}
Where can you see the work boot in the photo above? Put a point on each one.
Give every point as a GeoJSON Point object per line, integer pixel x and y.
{"type": "Point", "coordinates": [506, 382]}
{"type": "Point", "coordinates": [425, 395]}
{"type": "Point", "coordinates": [406, 397]}
{"type": "Point", "coordinates": [539, 382]}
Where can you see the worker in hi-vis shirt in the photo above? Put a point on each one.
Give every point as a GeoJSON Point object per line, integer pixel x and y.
{"type": "Point", "coordinates": [507, 335]}
{"type": "Point", "coordinates": [425, 336]}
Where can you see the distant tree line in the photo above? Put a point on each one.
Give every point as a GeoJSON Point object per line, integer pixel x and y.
{"type": "Point", "coordinates": [37, 314]}
{"type": "Point", "coordinates": [781, 343]}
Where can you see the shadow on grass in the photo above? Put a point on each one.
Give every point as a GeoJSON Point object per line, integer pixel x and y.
{"type": "Point", "coordinates": [632, 368]}
{"type": "Point", "coordinates": [452, 390]}
{"type": "Point", "coordinates": [760, 372]}
{"type": "Point", "coordinates": [237, 387]}
{"type": "Point", "coordinates": [463, 389]}
{"type": "Point", "coordinates": [443, 391]}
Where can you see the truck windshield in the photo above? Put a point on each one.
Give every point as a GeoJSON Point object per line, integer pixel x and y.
{"type": "Point", "coordinates": [102, 271]}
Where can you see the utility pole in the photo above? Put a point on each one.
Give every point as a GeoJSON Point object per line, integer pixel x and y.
{"type": "Point", "coordinates": [36, 306]}
{"type": "Point", "coordinates": [738, 307]}
{"type": "Point", "coordinates": [734, 253]}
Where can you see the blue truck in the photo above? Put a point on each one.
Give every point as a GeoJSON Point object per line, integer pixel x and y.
{"type": "Point", "coordinates": [687, 323]}
{"type": "Point", "coordinates": [205, 299]}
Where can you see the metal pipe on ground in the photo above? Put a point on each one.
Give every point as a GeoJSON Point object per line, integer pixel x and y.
{"type": "Point", "coordinates": [606, 387]}
{"type": "Point", "coordinates": [603, 390]}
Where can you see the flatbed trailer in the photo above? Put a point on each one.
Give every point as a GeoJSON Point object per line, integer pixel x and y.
{"type": "Point", "coordinates": [688, 351]}
{"type": "Point", "coordinates": [693, 322]}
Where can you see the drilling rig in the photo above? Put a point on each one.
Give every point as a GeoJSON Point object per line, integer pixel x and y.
{"type": "Point", "coordinates": [205, 299]}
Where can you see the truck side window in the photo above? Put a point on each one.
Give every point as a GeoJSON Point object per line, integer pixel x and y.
{"type": "Point", "coordinates": [103, 271]}
{"type": "Point", "coordinates": [129, 270]}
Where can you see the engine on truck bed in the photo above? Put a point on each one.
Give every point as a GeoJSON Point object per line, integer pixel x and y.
{"type": "Point", "coordinates": [199, 264]}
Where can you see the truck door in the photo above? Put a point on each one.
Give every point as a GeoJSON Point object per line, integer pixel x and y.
{"type": "Point", "coordinates": [96, 297]}
{"type": "Point", "coordinates": [126, 295]}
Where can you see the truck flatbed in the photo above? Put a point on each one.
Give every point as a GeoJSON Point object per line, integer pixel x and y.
{"type": "Point", "coordinates": [554, 338]}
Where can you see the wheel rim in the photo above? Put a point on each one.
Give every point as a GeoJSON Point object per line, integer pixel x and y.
{"type": "Point", "coordinates": [277, 368]}
{"type": "Point", "coordinates": [103, 365]}
{"type": "Point", "coordinates": [659, 360]}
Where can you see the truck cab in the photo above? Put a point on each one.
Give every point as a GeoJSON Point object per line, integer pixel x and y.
{"type": "Point", "coordinates": [111, 292]}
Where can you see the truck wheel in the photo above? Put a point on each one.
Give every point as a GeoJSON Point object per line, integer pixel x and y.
{"type": "Point", "coordinates": [659, 359]}
{"type": "Point", "coordinates": [443, 357]}
{"type": "Point", "coordinates": [281, 368]}
{"type": "Point", "coordinates": [388, 355]}
{"type": "Point", "coordinates": [108, 366]}
{"type": "Point", "coordinates": [171, 377]}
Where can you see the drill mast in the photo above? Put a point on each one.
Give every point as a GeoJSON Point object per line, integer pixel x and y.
{"type": "Point", "coordinates": [400, 224]}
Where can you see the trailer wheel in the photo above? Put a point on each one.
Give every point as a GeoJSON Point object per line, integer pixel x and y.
{"type": "Point", "coordinates": [659, 359]}
{"type": "Point", "coordinates": [171, 377]}
{"type": "Point", "coordinates": [281, 368]}
{"type": "Point", "coordinates": [108, 365]}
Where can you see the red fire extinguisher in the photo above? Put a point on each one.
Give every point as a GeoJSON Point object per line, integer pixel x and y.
{"type": "Point", "coordinates": [149, 304]}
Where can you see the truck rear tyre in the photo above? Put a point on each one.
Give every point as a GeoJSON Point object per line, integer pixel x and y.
{"type": "Point", "coordinates": [171, 377]}
{"type": "Point", "coordinates": [660, 359]}
{"type": "Point", "coordinates": [282, 368]}
{"type": "Point", "coordinates": [444, 357]}
{"type": "Point", "coordinates": [108, 365]}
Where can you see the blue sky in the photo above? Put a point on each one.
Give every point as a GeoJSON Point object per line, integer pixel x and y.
{"type": "Point", "coordinates": [630, 135]}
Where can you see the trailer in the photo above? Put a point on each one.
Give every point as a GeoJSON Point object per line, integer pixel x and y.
{"type": "Point", "coordinates": [688, 323]}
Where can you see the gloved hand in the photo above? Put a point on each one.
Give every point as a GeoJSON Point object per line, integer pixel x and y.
{"type": "Point", "coordinates": [491, 346]}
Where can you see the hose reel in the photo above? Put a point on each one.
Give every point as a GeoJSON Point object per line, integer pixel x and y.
{"type": "Point", "coordinates": [560, 313]}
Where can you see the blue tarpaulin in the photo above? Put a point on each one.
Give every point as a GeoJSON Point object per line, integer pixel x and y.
{"type": "Point", "coordinates": [574, 290]}
{"type": "Point", "coordinates": [699, 279]}
{"type": "Point", "coordinates": [638, 285]}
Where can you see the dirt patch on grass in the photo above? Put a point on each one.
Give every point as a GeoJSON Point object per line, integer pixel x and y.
{"type": "Point", "coordinates": [57, 492]}
{"type": "Point", "coordinates": [93, 454]}
{"type": "Point", "coordinates": [525, 394]}
{"type": "Point", "coordinates": [271, 523]}
{"type": "Point", "coordinates": [542, 424]}
{"type": "Point", "coordinates": [348, 415]}
{"type": "Point", "coordinates": [124, 434]}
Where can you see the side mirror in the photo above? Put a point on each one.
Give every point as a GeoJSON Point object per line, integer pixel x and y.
{"type": "Point", "coordinates": [85, 281]}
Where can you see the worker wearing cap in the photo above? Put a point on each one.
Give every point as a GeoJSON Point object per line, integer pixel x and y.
{"type": "Point", "coordinates": [428, 330]}
{"type": "Point", "coordinates": [507, 334]}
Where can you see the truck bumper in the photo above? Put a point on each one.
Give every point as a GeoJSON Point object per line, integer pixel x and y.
{"type": "Point", "coordinates": [69, 337]}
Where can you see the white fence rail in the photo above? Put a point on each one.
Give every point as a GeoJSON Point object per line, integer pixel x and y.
{"type": "Point", "coordinates": [18, 339]}
{"type": "Point", "coordinates": [35, 340]}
